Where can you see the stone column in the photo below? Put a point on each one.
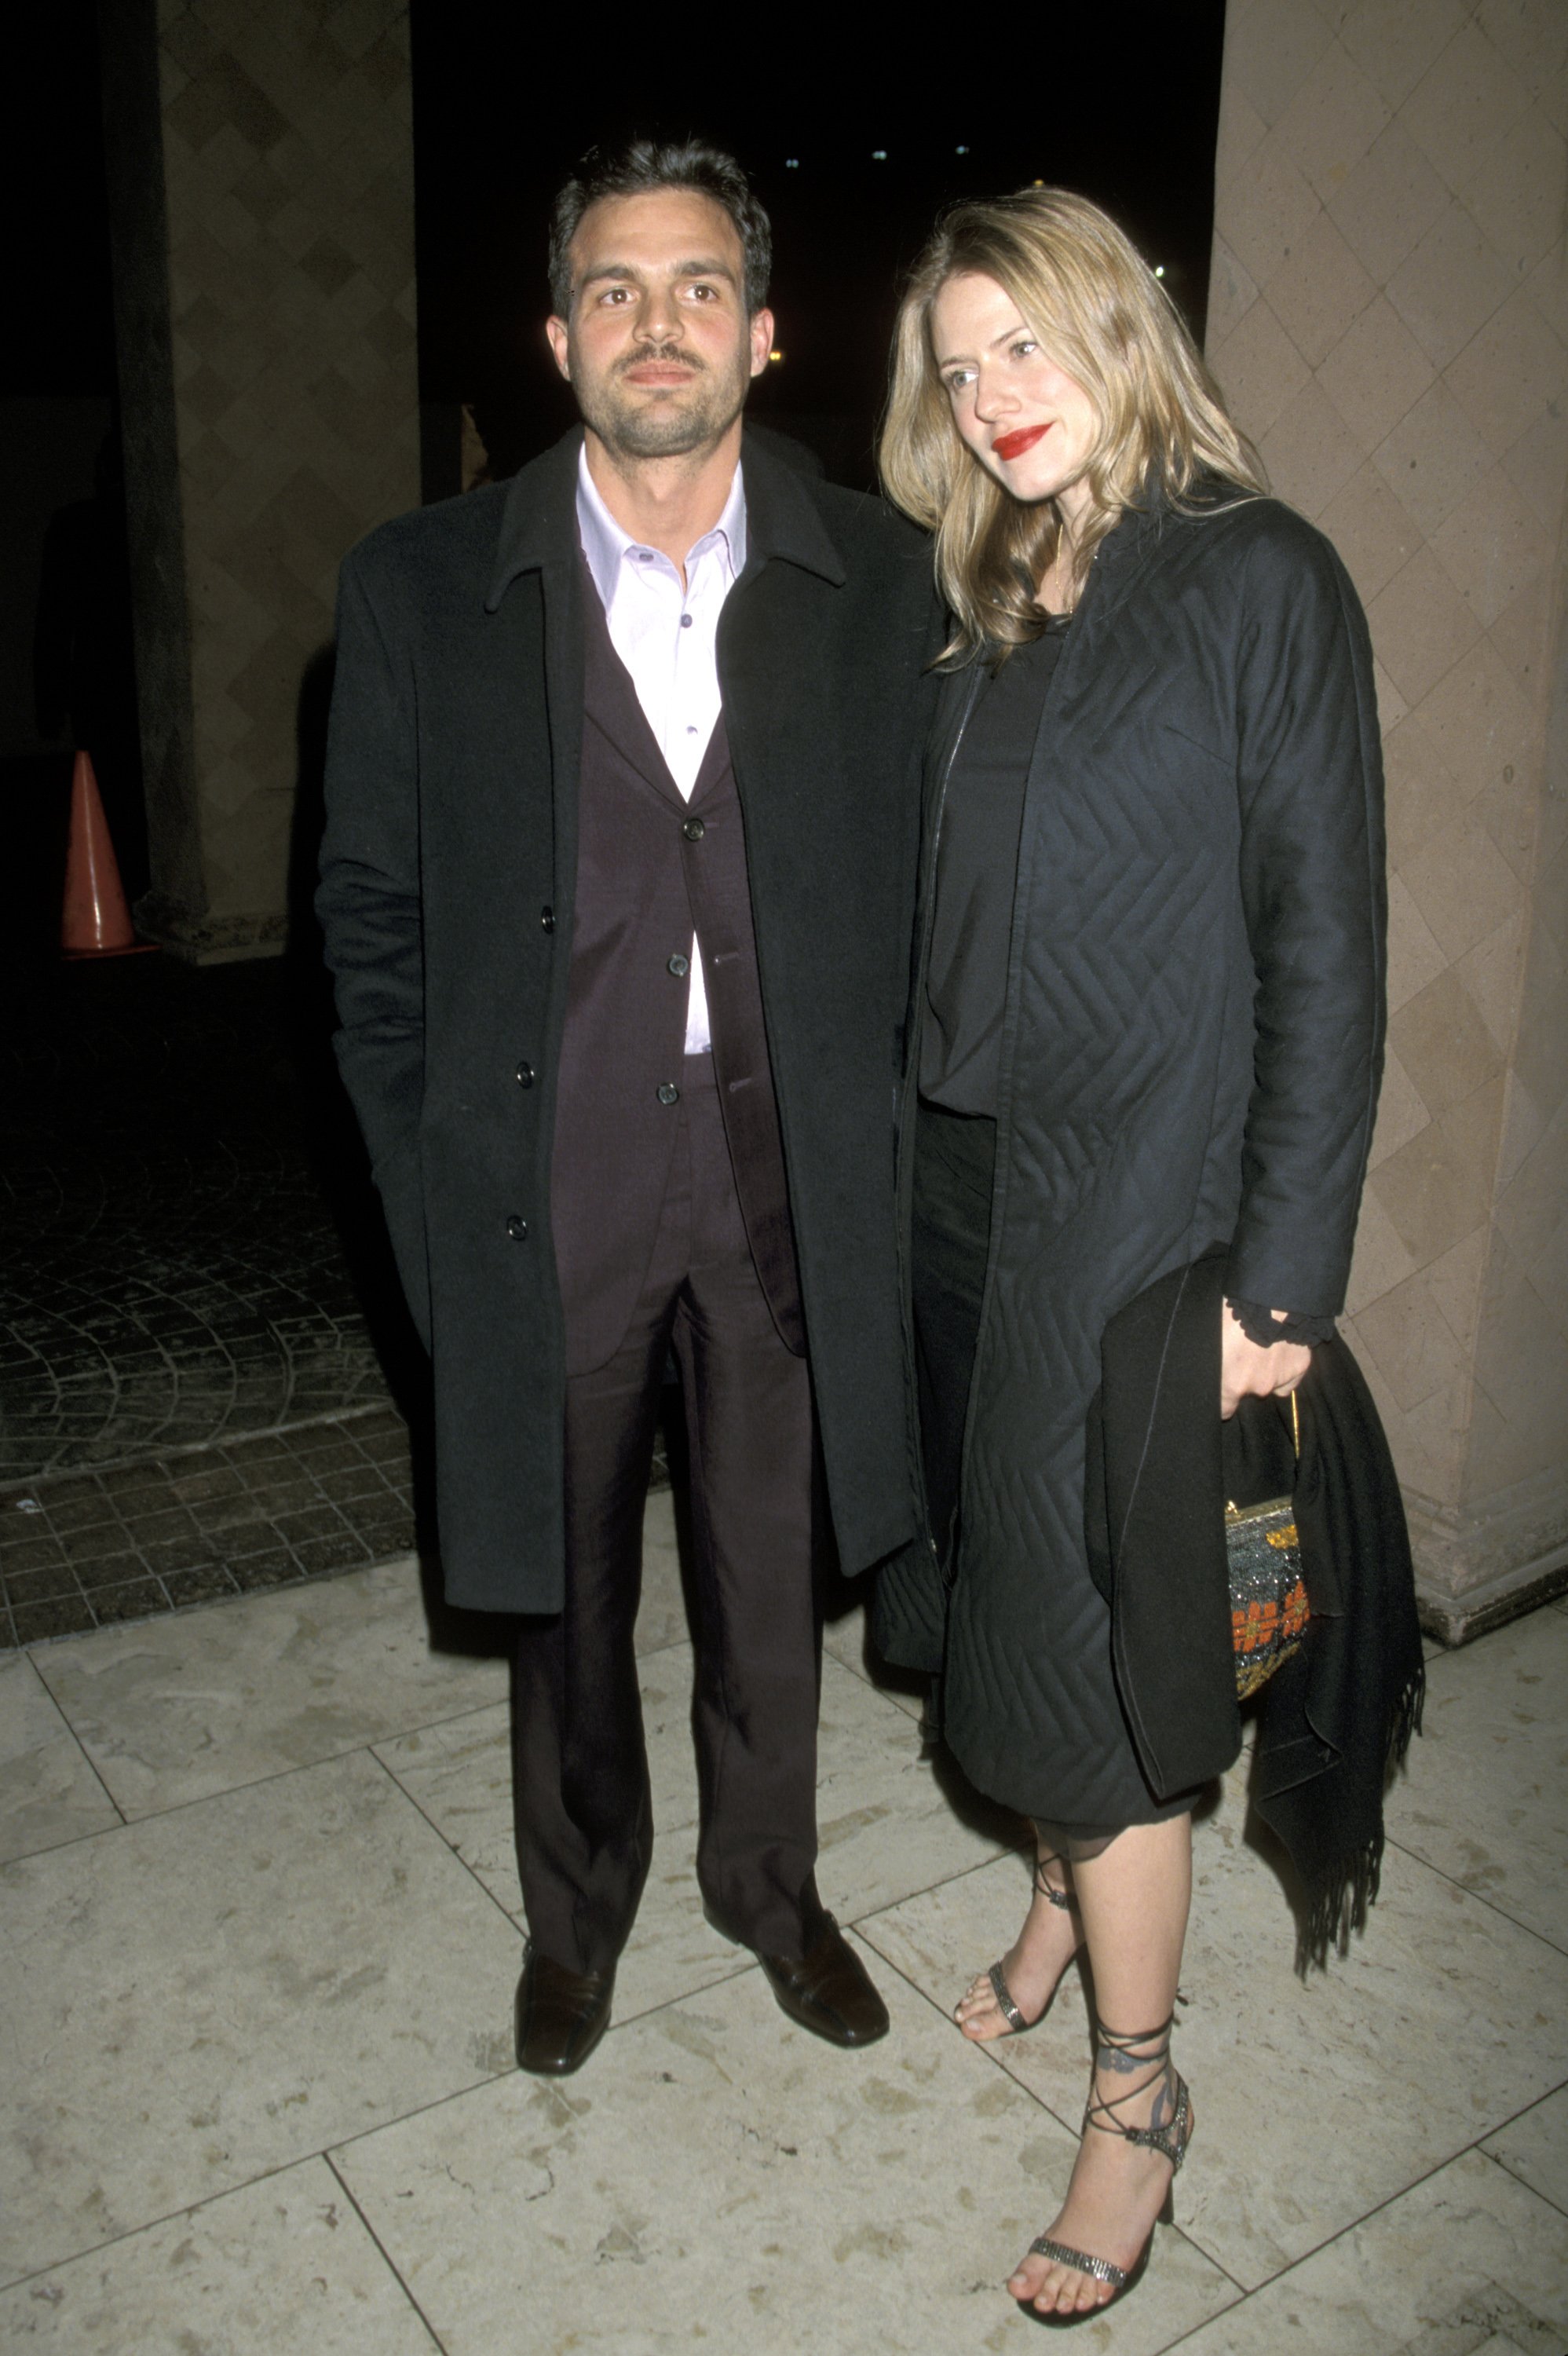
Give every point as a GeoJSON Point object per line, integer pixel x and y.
{"type": "Point", "coordinates": [1389, 319]}
{"type": "Point", "coordinates": [261, 190]}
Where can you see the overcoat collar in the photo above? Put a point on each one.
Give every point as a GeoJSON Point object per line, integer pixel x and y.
{"type": "Point", "coordinates": [539, 520]}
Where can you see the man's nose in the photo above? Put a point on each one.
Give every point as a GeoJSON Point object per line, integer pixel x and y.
{"type": "Point", "coordinates": [658, 320]}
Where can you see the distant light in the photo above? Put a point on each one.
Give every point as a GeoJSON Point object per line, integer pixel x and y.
{"type": "Point", "coordinates": [775, 356]}
{"type": "Point", "coordinates": [961, 151]}
{"type": "Point", "coordinates": [1039, 184]}
{"type": "Point", "coordinates": [792, 163]}
{"type": "Point", "coordinates": [879, 154]}
{"type": "Point", "coordinates": [1159, 270]}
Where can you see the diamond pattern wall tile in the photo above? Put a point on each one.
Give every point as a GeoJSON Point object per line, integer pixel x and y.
{"type": "Point", "coordinates": [1392, 328]}
{"type": "Point", "coordinates": [288, 189]}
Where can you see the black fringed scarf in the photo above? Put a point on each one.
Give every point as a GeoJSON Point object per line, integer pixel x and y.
{"type": "Point", "coordinates": [1338, 1717]}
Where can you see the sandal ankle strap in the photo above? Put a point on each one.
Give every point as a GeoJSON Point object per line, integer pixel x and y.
{"type": "Point", "coordinates": [1047, 1890]}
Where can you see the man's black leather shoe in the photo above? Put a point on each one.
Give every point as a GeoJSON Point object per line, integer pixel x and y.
{"type": "Point", "coordinates": [561, 2014]}
{"type": "Point", "coordinates": [828, 1991]}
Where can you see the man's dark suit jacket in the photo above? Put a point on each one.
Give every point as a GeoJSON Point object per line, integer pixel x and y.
{"type": "Point", "coordinates": [448, 883]}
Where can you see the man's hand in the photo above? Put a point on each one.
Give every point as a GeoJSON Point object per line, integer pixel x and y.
{"type": "Point", "coordinates": [1247, 1372]}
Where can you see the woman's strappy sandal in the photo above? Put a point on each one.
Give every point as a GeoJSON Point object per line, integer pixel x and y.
{"type": "Point", "coordinates": [1017, 2023]}
{"type": "Point", "coordinates": [1169, 2141]}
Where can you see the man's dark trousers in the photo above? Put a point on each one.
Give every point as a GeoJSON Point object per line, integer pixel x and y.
{"type": "Point", "coordinates": [580, 1774]}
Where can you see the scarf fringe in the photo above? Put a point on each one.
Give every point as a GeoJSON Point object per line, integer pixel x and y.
{"type": "Point", "coordinates": [1338, 1898]}
{"type": "Point", "coordinates": [1337, 1905]}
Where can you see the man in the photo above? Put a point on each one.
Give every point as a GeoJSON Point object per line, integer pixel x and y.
{"type": "Point", "coordinates": [617, 882]}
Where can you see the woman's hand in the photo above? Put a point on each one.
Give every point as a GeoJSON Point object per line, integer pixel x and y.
{"type": "Point", "coordinates": [1247, 1372]}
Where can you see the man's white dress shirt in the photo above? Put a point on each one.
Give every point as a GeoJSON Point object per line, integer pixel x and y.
{"type": "Point", "coordinates": [667, 638]}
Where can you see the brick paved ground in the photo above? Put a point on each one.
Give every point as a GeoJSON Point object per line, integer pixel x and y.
{"type": "Point", "coordinates": [206, 1375]}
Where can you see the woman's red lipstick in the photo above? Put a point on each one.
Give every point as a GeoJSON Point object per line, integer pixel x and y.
{"type": "Point", "coordinates": [1013, 445]}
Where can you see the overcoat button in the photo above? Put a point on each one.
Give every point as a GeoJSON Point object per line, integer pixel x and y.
{"type": "Point", "coordinates": [547, 918]}
{"type": "Point", "coordinates": [668, 1092]}
{"type": "Point", "coordinates": [518, 1229]}
{"type": "Point", "coordinates": [680, 967]}
{"type": "Point", "coordinates": [525, 1076]}
{"type": "Point", "coordinates": [693, 829]}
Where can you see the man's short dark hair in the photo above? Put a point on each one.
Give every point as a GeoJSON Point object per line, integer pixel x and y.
{"type": "Point", "coordinates": [641, 167]}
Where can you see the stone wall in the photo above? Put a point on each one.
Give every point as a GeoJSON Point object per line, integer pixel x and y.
{"type": "Point", "coordinates": [261, 184]}
{"type": "Point", "coordinates": [1389, 319]}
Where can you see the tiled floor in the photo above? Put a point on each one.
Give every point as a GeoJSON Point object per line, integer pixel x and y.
{"type": "Point", "coordinates": [87, 1549]}
{"type": "Point", "coordinates": [260, 1927]}
{"type": "Point", "coordinates": [191, 1248]}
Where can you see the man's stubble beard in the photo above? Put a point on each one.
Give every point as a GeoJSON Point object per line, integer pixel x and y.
{"type": "Point", "coordinates": [670, 426]}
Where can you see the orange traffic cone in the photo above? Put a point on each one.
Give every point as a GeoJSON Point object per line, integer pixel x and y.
{"type": "Point", "coordinates": [95, 921]}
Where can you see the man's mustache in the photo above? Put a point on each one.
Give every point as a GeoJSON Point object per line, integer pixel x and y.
{"type": "Point", "coordinates": [659, 353]}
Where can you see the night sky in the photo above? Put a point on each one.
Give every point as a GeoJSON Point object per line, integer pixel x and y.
{"type": "Point", "coordinates": [499, 124]}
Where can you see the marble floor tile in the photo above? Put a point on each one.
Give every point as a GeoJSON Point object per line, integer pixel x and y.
{"type": "Point", "coordinates": [846, 1640]}
{"type": "Point", "coordinates": [1314, 2103]}
{"type": "Point", "coordinates": [1535, 2147]}
{"type": "Point", "coordinates": [171, 1710]}
{"type": "Point", "coordinates": [48, 1793]}
{"type": "Point", "coordinates": [196, 1999]}
{"type": "Point", "coordinates": [885, 1824]}
{"type": "Point", "coordinates": [459, 1773]}
{"type": "Point", "coordinates": [282, 2265]}
{"type": "Point", "coordinates": [1485, 1797]}
{"type": "Point", "coordinates": [1468, 2263]}
{"type": "Point", "coordinates": [885, 1821]}
{"type": "Point", "coordinates": [717, 2175]}
{"type": "Point", "coordinates": [661, 1615]}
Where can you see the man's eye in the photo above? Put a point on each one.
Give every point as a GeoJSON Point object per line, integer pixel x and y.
{"type": "Point", "coordinates": [705, 294]}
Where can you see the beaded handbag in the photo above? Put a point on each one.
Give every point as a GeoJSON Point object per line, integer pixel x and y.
{"type": "Point", "coordinates": [1269, 1609]}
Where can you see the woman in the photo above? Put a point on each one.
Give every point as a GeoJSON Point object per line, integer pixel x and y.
{"type": "Point", "coordinates": [1147, 1024]}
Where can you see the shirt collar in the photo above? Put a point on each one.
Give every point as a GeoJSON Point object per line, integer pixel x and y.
{"type": "Point", "coordinates": [605, 545]}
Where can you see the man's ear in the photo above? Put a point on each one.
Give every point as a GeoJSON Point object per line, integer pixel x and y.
{"type": "Point", "coordinates": [555, 329]}
{"type": "Point", "coordinates": [761, 340]}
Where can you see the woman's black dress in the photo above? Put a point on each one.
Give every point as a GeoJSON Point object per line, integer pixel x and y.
{"type": "Point", "coordinates": [955, 1137]}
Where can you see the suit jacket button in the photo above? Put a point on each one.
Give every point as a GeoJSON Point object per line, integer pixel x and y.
{"type": "Point", "coordinates": [518, 1229]}
{"type": "Point", "coordinates": [668, 1092]}
{"type": "Point", "coordinates": [693, 829]}
{"type": "Point", "coordinates": [547, 918]}
{"type": "Point", "coordinates": [680, 967]}
{"type": "Point", "coordinates": [525, 1076]}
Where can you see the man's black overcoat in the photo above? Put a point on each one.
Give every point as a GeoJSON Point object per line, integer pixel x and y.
{"type": "Point", "coordinates": [446, 898]}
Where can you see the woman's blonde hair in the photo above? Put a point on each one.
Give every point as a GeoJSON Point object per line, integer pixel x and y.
{"type": "Point", "coordinates": [1085, 292]}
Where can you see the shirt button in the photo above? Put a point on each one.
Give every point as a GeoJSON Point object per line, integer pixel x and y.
{"type": "Point", "coordinates": [686, 621]}
{"type": "Point", "coordinates": [693, 829]}
{"type": "Point", "coordinates": [668, 1092]}
{"type": "Point", "coordinates": [680, 967]}
{"type": "Point", "coordinates": [518, 1229]}
{"type": "Point", "coordinates": [547, 918]}
{"type": "Point", "coordinates": [525, 1076]}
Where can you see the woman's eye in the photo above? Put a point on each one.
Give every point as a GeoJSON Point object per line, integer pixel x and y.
{"type": "Point", "coordinates": [959, 379]}
{"type": "Point", "coordinates": [1023, 348]}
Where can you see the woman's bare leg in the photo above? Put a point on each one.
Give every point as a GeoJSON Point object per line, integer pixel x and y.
{"type": "Point", "coordinates": [1134, 1899]}
{"type": "Point", "coordinates": [1032, 1966]}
